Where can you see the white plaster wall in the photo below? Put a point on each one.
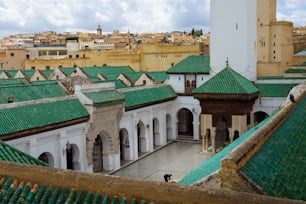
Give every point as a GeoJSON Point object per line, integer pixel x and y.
{"type": "Point", "coordinates": [54, 142]}
{"type": "Point", "coordinates": [268, 104]}
{"type": "Point", "coordinates": [131, 118]}
{"type": "Point", "coordinates": [177, 81]}
{"type": "Point", "coordinates": [233, 36]}
{"type": "Point", "coordinates": [193, 105]}
{"type": "Point", "coordinates": [201, 79]}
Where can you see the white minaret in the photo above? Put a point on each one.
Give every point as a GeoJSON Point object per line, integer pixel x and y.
{"type": "Point", "coordinates": [233, 36]}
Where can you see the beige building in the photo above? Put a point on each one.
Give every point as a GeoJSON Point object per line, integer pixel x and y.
{"type": "Point", "coordinates": [12, 58]}
{"type": "Point", "coordinates": [146, 57]}
{"type": "Point", "coordinates": [274, 41]}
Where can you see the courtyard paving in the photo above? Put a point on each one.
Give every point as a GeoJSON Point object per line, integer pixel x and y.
{"type": "Point", "coordinates": [177, 158]}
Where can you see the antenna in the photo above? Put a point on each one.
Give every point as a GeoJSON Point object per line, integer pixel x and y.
{"type": "Point", "coordinates": [227, 62]}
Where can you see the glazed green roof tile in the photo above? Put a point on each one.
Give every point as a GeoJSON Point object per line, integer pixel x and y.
{"type": "Point", "coordinates": [107, 70]}
{"type": "Point", "coordinates": [68, 70]}
{"type": "Point", "coordinates": [279, 167]}
{"type": "Point", "coordinates": [119, 84]}
{"type": "Point", "coordinates": [28, 73]}
{"type": "Point", "coordinates": [27, 117]}
{"type": "Point", "coordinates": [213, 164]}
{"type": "Point", "coordinates": [296, 71]}
{"type": "Point", "coordinates": [140, 97]}
{"type": "Point", "coordinates": [47, 72]}
{"type": "Point", "coordinates": [13, 81]}
{"type": "Point", "coordinates": [274, 90]}
{"type": "Point", "coordinates": [12, 154]}
{"type": "Point", "coordinates": [44, 193]}
{"type": "Point", "coordinates": [194, 64]}
{"type": "Point", "coordinates": [227, 82]}
{"type": "Point", "coordinates": [92, 71]}
{"type": "Point", "coordinates": [44, 82]}
{"type": "Point", "coordinates": [12, 72]}
{"type": "Point", "coordinates": [105, 96]}
{"type": "Point", "coordinates": [304, 63]}
{"type": "Point", "coordinates": [133, 76]}
{"type": "Point", "coordinates": [31, 91]}
{"type": "Point", "coordinates": [158, 76]}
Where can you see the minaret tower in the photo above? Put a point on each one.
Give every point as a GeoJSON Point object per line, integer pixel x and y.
{"type": "Point", "coordinates": [99, 30]}
{"type": "Point", "coordinates": [233, 36]}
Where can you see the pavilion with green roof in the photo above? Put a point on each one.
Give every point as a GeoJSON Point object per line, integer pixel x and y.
{"type": "Point", "coordinates": [227, 101]}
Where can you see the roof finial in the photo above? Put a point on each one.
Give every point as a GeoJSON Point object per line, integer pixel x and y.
{"type": "Point", "coordinates": [227, 62]}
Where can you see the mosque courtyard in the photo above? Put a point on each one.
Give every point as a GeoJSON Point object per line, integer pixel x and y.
{"type": "Point", "coordinates": [177, 158]}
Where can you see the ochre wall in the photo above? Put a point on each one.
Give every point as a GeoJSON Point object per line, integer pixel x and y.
{"type": "Point", "coordinates": [147, 57]}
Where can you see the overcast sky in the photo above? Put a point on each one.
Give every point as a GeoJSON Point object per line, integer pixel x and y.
{"type": "Point", "coordinates": [136, 16]}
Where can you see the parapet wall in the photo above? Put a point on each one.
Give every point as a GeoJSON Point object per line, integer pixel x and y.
{"type": "Point", "coordinates": [129, 188]}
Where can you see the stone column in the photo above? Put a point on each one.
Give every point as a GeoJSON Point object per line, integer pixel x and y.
{"type": "Point", "coordinates": [213, 139]}
{"type": "Point", "coordinates": [206, 124]}
{"type": "Point", "coordinates": [239, 123]}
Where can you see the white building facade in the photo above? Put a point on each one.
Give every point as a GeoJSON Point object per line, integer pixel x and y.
{"type": "Point", "coordinates": [233, 36]}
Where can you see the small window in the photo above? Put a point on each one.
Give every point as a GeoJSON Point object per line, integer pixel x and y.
{"type": "Point", "coordinates": [12, 54]}
{"type": "Point", "coordinates": [77, 56]}
{"type": "Point", "coordinates": [57, 77]}
{"type": "Point", "coordinates": [144, 82]}
{"type": "Point", "coordinates": [70, 56]}
{"type": "Point", "coordinates": [27, 56]}
{"type": "Point", "coordinates": [47, 67]}
{"type": "Point", "coordinates": [37, 78]}
{"type": "Point", "coordinates": [33, 68]}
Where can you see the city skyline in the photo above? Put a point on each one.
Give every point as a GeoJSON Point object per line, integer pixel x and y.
{"type": "Point", "coordinates": [35, 16]}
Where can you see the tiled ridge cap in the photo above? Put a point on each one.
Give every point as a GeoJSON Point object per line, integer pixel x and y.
{"type": "Point", "coordinates": [129, 89]}
{"type": "Point", "coordinates": [45, 100]}
{"type": "Point", "coordinates": [245, 151]}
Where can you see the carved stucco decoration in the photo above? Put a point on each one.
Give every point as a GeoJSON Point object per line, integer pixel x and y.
{"type": "Point", "coordinates": [106, 124]}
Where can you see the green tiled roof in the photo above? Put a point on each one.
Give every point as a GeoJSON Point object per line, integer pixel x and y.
{"type": "Point", "coordinates": [145, 96]}
{"type": "Point", "coordinates": [158, 76]}
{"type": "Point", "coordinates": [296, 70]}
{"type": "Point", "coordinates": [12, 154]}
{"type": "Point", "coordinates": [213, 164]}
{"type": "Point", "coordinates": [304, 63]}
{"type": "Point", "coordinates": [44, 82]}
{"type": "Point", "coordinates": [24, 192]}
{"type": "Point", "coordinates": [279, 167]}
{"type": "Point", "coordinates": [227, 82]}
{"type": "Point", "coordinates": [26, 117]}
{"type": "Point", "coordinates": [28, 73]}
{"type": "Point", "coordinates": [105, 96]}
{"type": "Point", "coordinates": [194, 64]}
{"type": "Point", "coordinates": [12, 72]}
{"type": "Point", "coordinates": [68, 70]}
{"type": "Point", "coordinates": [274, 90]}
{"type": "Point", "coordinates": [47, 72]}
{"type": "Point", "coordinates": [31, 92]}
{"type": "Point", "coordinates": [111, 72]}
{"type": "Point", "coordinates": [134, 76]}
{"type": "Point", "coordinates": [13, 81]}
